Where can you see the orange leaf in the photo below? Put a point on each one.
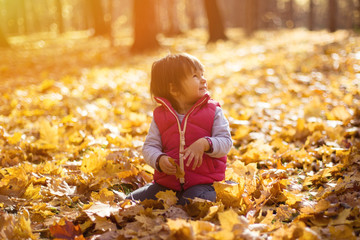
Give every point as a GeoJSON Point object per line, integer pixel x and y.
{"type": "Point", "coordinates": [179, 172]}
{"type": "Point", "coordinates": [66, 230]}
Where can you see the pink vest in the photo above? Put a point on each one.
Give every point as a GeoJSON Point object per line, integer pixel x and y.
{"type": "Point", "coordinates": [196, 124]}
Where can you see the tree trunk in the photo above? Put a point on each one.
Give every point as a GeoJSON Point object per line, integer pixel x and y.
{"type": "Point", "coordinates": [23, 15]}
{"type": "Point", "coordinates": [290, 23]}
{"type": "Point", "coordinates": [332, 15]}
{"type": "Point", "coordinates": [59, 18]}
{"type": "Point", "coordinates": [144, 24]}
{"type": "Point", "coordinates": [238, 13]}
{"type": "Point", "coordinates": [191, 13]}
{"type": "Point", "coordinates": [216, 27]}
{"type": "Point", "coordinates": [350, 18]}
{"type": "Point", "coordinates": [311, 15]}
{"type": "Point", "coordinates": [97, 11]}
{"type": "Point", "coordinates": [358, 15]}
{"type": "Point", "coordinates": [251, 24]}
{"type": "Point", "coordinates": [173, 27]}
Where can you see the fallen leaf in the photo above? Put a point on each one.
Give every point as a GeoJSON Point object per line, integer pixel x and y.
{"type": "Point", "coordinates": [66, 230]}
{"type": "Point", "coordinates": [168, 197]}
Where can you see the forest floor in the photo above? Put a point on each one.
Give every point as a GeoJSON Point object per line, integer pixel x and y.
{"type": "Point", "coordinates": [74, 113]}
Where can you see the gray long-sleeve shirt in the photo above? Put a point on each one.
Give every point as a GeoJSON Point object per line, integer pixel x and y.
{"type": "Point", "coordinates": [220, 137]}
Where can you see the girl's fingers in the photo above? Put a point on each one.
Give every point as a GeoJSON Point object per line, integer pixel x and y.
{"type": "Point", "coordinates": [195, 164]}
{"type": "Point", "coordinates": [170, 168]}
{"type": "Point", "coordinates": [191, 157]}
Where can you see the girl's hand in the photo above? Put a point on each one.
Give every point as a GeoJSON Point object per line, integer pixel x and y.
{"type": "Point", "coordinates": [166, 166]}
{"type": "Point", "coordinates": [195, 152]}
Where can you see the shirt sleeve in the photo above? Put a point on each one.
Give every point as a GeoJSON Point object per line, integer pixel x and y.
{"type": "Point", "coordinates": [152, 148]}
{"type": "Point", "coordinates": [221, 135]}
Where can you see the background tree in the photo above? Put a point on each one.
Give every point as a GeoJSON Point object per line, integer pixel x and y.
{"type": "Point", "coordinates": [101, 27]}
{"type": "Point", "coordinates": [332, 15]}
{"type": "Point", "coordinates": [191, 13]}
{"type": "Point", "coordinates": [251, 16]}
{"type": "Point", "coordinates": [59, 18]}
{"type": "Point", "coordinates": [22, 18]}
{"type": "Point", "coordinates": [172, 24]}
{"type": "Point", "coordinates": [216, 27]}
{"type": "Point", "coordinates": [3, 41]}
{"type": "Point", "coordinates": [290, 22]}
{"type": "Point", "coordinates": [266, 16]}
{"type": "Point", "coordinates": [311, 15]}
{"type": "Point", "coordinates": [357, 21]}
{"type": "Point", "coordinates": [144, 33]}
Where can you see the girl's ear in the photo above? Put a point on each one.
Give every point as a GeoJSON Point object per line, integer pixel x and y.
{"type": "Point", "coordinates": [173, 91]}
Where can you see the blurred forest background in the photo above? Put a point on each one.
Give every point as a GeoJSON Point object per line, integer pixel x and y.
{"type": "Point", "coordinates": [127, 20]}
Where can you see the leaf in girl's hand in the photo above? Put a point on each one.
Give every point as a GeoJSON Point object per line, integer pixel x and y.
{"type": "Point", "coordinates": [179, 172]}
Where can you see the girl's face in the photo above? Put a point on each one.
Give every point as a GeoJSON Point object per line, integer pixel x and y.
{"type": "Point", "coordinates": [194, 87]}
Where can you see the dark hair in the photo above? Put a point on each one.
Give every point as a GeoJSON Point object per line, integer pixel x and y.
{"type": "Point", "coordinates": [172, 70]}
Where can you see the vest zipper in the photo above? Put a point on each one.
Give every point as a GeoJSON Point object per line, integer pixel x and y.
{"type": "Point", "coordinates": [182, 132]}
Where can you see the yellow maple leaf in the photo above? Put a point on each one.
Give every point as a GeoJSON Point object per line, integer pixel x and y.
{"type": "Point", "coordinates": [23, 227]}
{"type": "Point", "coordinates": [49, 134]}
{"type": "Point", "coordinates": [103, 196]}
{"type": "Point", "coordinates": [291, 198]}
{"type": "Point", "coordinates": [32, 192]}
{"type": "Point", "coordinates": [228, 219]}
{"type": "Point", "coordinates": [94, 161]}
{"type": "Point", "coordinates": [338, 113]}
{"type": "Point", "coordinates": [168, 197]}
{"type": "Point", "coordinates": [180, 229]}
{"type": "Point", "coordinates": [241, 132]}
{"type": "Point", "coordinates": [202, 227]}
{"type": "Point", "coordinates": [46, 85]}
{"type": "Point", "coordinates": [229, 193]}
{"type": "Point", "coordinates": [213, 210]}
{"type": "Point", "coordinates": [15, 138]}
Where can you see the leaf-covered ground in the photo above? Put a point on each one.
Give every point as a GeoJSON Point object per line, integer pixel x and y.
{"type": "Point", "coordinates": [74, 115]}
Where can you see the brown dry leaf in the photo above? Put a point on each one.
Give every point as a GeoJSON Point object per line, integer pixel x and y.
{"type": "Point", "coordinates": [198, 208]}
{"type": "Point", "coordinates": [342, 232]}
{"type": "Point", "coordinates": [61, 188]}
{"type": "Point", "coordinates": [99, 209]}
{"type": "Point", "coordinates": [295, 231]}
{"type": "Point", "coordinates": [18, 227]}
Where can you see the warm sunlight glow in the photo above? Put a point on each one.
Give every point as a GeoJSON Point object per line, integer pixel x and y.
{"type": "Point", "coordinates": [262, 144]}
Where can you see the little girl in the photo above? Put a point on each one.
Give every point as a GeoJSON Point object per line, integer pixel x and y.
{"type": "Point", "coordinates": [188, 128]}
